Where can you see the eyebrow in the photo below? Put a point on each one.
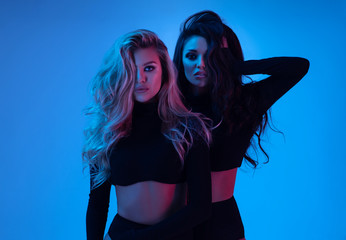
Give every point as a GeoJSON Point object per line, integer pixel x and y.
{"type": "Point", "coordinates": [192, 50]}
{"type": "Point", "coordinates": [150, 62]}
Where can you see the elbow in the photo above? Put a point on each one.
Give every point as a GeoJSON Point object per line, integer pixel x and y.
{"type": "Point", "coordinates": [206, 213]}
{"type": "Point", "coordinates": [304, 65]}
{"type": "Point", "coordinates": [203, 211]}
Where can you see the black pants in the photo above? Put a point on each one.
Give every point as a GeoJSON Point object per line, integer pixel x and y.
{"type": "Point", "coordinates": [224, 224]}
{"type": "Point", "coordinates": [120, 226]}
{"type": "Point", "coordinates": [123, 227]}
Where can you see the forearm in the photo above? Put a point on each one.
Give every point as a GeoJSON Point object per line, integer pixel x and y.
{"type": "Point", "coordinates": [97, 211]}
{"type": "Point", "coordinates": [287, 66]}
{"type": "Point", "coordinates": [95, 224]}
{"type": "Point", "coordinates": [285, 72]}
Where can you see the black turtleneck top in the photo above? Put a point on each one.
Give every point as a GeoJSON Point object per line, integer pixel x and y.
{"type": "Point", "coordinates": [147, 155]}
{"type": "Point", "coordinates": [229, 148]}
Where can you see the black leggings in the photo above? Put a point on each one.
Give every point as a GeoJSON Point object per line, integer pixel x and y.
{"type": "Point", "coordinates": [123, 227]}
{"type": "Point", "coordinates": [224, 224]}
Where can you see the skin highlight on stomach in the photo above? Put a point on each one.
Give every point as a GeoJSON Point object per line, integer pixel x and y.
{"type": "Point", "coordinates": [150, 202]}
{"type": "Point", "coordinates": [223, 183]}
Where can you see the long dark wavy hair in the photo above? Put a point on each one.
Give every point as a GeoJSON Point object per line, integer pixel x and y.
{"type": "Point", "coordinates": [230, 102]}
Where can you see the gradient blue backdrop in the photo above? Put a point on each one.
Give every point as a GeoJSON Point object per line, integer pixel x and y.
{"type": "Point", "coordinates": [49, 50]}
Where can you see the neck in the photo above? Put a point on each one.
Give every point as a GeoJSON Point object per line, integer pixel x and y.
{"type": "Point", "coordinates": [197, 91]}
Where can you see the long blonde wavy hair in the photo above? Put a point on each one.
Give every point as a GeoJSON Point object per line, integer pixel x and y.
{"type": "Point", "coordinates": [113, 100]}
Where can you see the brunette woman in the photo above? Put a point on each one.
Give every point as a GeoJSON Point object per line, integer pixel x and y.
{"type": "Point", "coordinates": [211, 67]}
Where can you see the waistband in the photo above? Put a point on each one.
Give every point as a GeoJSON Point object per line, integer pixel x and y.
{"type": "Point", "coordinates": [224, 202]}
{"type": "Point", "coordinates": [120, 225]}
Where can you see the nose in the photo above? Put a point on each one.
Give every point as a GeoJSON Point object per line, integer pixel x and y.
{"type": "Point", "coordinates": [201, 63]}
{"type": "Point", "coordinates": [141, 78]}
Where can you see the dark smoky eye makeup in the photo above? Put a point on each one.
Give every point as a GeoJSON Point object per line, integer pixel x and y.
{"type": "Point", "coordinates": [191, 55]}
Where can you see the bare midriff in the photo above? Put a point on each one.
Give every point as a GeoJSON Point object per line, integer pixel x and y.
{"type": "Point", "coordinates": [223, 184]}
{"type": "Point", "coordinates": [149, 202]}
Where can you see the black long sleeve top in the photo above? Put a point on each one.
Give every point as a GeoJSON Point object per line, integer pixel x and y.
{"type": "Point", "coordinates": [229, 148]}
{"type": "Point", "coordinates": [158, 162]}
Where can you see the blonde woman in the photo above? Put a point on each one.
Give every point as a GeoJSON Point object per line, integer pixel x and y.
{"type": "Point", "coordinates": [147, 144]}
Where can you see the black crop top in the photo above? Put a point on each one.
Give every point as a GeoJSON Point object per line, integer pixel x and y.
{"type": "Point", "coordinates": [228, 149]}
{"type": "Point", "coordinates": [147, 155]}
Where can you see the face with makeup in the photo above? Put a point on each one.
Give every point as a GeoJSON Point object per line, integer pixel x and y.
{"type": "Point", "coordinates": [194, 55]}
{"type": "Point", "coordinates": [149, 74]}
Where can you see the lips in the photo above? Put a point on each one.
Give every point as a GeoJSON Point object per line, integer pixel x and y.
{"type": "Point", "coordinates": [200, 74]}
{"type": "Point", "coordinates": [141, 89]}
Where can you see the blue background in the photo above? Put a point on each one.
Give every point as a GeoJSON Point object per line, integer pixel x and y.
{"type": "Point", "coordinates": [49, 51]}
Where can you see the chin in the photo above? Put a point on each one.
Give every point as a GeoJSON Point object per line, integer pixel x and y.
{"type": "Point", "coordinates": [141, 99]}
{"type": "Point", "coordinates": [197, 83]}
{"type": "Point", "coordinates": [144, 99]}
{"type": "Point", "coordinates": [201, 84]}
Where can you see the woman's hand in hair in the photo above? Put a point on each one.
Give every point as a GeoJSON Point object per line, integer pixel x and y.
{"type": "Point", "coordinates": [224, 43]}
